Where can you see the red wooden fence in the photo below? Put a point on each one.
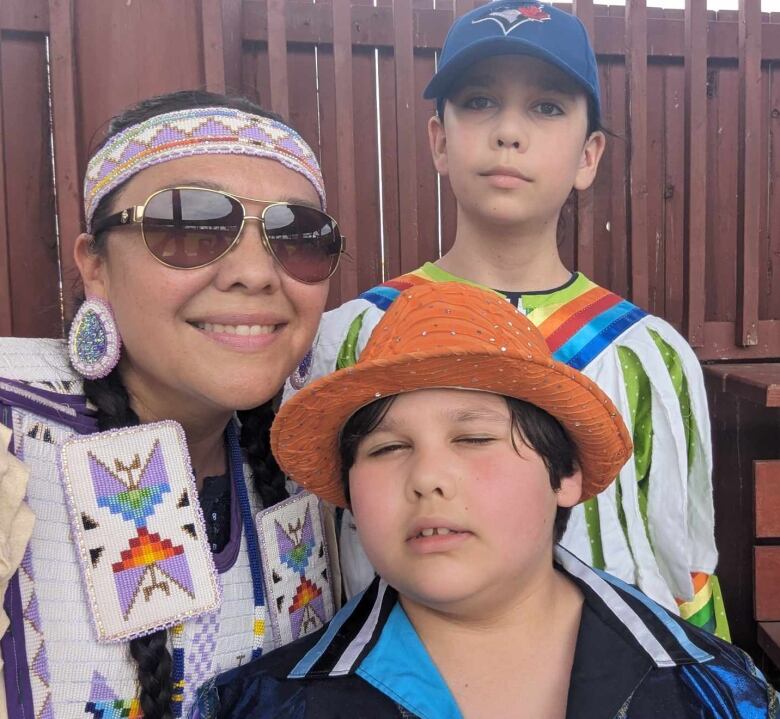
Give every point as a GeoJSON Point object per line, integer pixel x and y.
{"type": "Point", "coordinates": [684, 217]}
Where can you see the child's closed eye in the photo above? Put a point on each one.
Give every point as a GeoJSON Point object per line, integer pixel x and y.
{"type": "Point", "coordinates": [476, 440]}
{"type": "Point", "coordinates": [385, 449]}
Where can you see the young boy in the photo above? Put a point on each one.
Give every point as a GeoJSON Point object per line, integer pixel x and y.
{"type": "Point", "coordinates": [461, 446]}
{"type": "Point", "coordinates": [517, 128]}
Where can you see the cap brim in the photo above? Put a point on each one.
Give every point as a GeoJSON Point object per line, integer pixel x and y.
{"type": "Point", "coordinates": [305, 435]}
{"type": "Point", "coordinates": [442, 81]}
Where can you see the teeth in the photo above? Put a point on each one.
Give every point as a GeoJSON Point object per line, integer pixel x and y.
{"type": "Point", "coordinates": [243, 330]}
{"type": "Point", "coordinates": [439, 531]}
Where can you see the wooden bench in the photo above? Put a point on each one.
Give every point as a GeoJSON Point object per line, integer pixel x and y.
{"type": "Point", "coordinates": [745, 410]}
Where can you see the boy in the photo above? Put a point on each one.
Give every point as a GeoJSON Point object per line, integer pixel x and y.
{"type": "Point", "coordinates": [517, 128]}
{"type": "Point", "coordinates": [461, 446]}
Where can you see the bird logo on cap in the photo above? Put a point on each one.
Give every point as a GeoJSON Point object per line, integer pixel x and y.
{"type": "Point", "coordinates": [511, 15]}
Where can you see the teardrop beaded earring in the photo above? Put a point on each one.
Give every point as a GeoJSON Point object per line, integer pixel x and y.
{"type": "Point", "coordinates": [94, 341]}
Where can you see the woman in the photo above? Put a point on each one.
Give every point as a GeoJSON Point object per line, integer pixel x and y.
{"type": "Point", "coordinates": [205, 266]}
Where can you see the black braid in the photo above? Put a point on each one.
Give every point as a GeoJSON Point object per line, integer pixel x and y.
{"type": "Point", "coordinates": [150, 652]}
{"type": "Point", "coordinates": [255, 440]}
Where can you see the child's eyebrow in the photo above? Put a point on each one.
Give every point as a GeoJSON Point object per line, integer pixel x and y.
{"type": "Point", "coordinates": [470, 415]}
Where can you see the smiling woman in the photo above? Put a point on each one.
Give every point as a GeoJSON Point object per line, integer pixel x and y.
{"type": "Point", "coordinates": [205, 267]}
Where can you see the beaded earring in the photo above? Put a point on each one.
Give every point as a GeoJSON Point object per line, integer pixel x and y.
{"type": "Point", "coordinates": [301, 373]}
{"type": "Point", "coordinates": [94, 341]}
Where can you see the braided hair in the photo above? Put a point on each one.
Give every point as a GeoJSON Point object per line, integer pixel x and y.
{"type": "Point", "coordinates": [110, 397]}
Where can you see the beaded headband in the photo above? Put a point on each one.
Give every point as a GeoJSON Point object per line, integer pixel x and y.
{"type": "Point", "coordinates": [200, 131]}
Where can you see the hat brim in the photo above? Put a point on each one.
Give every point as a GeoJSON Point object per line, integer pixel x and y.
{"type": "Point", "coordinates": [441, 83]}
{"type": "Point", "coordinates": [306, 433]}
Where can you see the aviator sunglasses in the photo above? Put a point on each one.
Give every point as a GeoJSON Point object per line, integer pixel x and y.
{"type": "Point", "coordinates": [191, 227]}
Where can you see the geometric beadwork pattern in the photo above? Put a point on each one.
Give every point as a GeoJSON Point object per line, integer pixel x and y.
{"type": "Point", "coordinates": [142, 571]}
{"type": "Point", "coordinates": [200, 656]}
{"type": "Point", "coordinates": [183, 133]}
{"type": "Point", "coordinates": [104, 704]}
{"type": "Point", "coordinates": [36, 648]}
{"type": "Point", "coordinates": [299, 599]}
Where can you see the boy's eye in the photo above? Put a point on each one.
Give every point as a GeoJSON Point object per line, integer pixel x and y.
{"type": "Point", "coordinates": [548, 108]}
{"type": "Point", "coordinates": [385, 449]}
{"type": "Point", "coordinates": [478, 102]}
{"type": "Point", "coordinates": [477, 440]}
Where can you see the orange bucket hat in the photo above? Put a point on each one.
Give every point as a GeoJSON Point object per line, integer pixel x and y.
{"type": "Point", "coordinates": [448, 335]}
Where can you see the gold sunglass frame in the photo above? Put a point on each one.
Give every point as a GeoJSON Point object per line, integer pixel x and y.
{"type": "Point", "coordinates": [135, 215]}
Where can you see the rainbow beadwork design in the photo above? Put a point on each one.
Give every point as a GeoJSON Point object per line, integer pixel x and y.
{"type": "Point", "coordinates": [105, 704]}
{"type": "Point", "coordinates": [145, 559]}
{"type": "Point", "coordinates": [296, 567]}
{"type": "Point", "coordinates": [200, 131]}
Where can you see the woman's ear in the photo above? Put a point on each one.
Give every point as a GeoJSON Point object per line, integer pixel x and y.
{"type": "Point", "coordinates": [437, 139]}
{"type": "Point", "coordinates": [570, 491]}
{"type": "Point", "coordinates": [92, 267]}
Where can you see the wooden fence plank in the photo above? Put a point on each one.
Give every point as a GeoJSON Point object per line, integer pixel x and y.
{"type": "Point", "coordinates": [368, 215]}
{"type": "Point", "coordinates": [24, 16]}
{"type": "Point", "coordinates": [66, 143]}
{"type": "Point", "coordinates": [695, 211]}
{"type": "Point", "coordinates": [29, 192]}
{"type": "Point", "coordinates": [748, 205]}
{"type": "Point", "coordinates": [427, 210]}
{"type": "Point", "coordinates": [311, 23]}
{"type": "Point", "coordinates": [405, 127]}
{"type": "Point", "coordinates": [232, 41]}
{"type": "Point", "coordinates": [766, 563]}
{"type": "Point", "coordinates": [766, 475]}
{"type": "Point", "coordinates": [583, 9]}
{"type": "Point", "coordinates": [6, 325]}
{"type": "Point", "coordinates": [636, 71]}
{"type": "Point", "coordinates": [345, 138]}
{"type": "Point", "coordinates": [463, 6]}
{"type": "Point", "coordinates": [213, 50]}
{"type": "Point", "coordinates": [277, 56]}
{"type": "Point", "coordinates": [658, 189]}
{"type": "Point", "coordinates": [771, 276]}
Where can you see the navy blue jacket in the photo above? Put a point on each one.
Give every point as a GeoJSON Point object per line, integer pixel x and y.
{"type": "Point", "coordinates": [633, 659]}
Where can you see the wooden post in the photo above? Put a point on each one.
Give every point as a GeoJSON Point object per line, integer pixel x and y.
{"type": "Point", "coordinates": [636, 73]}
{"type": "Point", "coordinates": [695, 204]}
{"type": "Point", "coordinates": [277, 57]}
{"type": "Point", "coordinates": [345, 141]}
{"type": "Point", "coordinates": [586, 262]}
{"type": "Point", "coordinates": [405, 120]}
{"type": "Point", "coordinates": [748, 204]}
{"type": "Point", "coordinates": [68, 177]}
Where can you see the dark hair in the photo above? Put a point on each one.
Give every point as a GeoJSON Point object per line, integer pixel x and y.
{"type": "Point", "coordinates": [110, 397]}
{"type": "Point", "coordinates": [537, 429]}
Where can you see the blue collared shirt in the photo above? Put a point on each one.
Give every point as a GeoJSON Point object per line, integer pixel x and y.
{"type": "Point", "coordinates": [632, 659]}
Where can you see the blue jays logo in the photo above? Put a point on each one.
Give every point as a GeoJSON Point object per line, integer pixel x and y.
{"type": "Point", "coordinates": [511, 15]}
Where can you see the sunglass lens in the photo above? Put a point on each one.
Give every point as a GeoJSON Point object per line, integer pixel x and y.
{"type": "Point", "coordinates": [190, 227]}
{"type": "Point", "coordinates": [305, 241]}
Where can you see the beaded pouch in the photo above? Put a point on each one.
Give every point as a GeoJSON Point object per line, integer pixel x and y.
{"type": "Point", "coordinates": [139, 531]}
{"type": "Point", "coordinates": [296, 567]}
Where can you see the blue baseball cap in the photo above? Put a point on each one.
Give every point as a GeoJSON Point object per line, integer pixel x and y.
{"type": "Point", "coordinates": [518, 27]}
